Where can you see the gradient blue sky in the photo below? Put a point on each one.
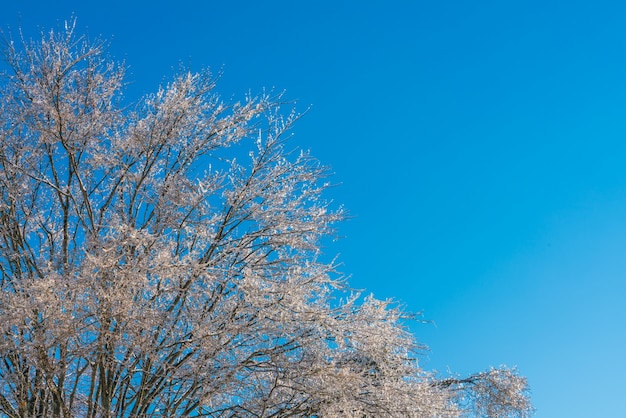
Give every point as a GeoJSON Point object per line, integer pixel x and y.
{"type": "Point", "coordinates": [479, 145]}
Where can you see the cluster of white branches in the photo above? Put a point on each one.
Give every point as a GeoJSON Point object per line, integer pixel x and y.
{"type": "Point", "coordinates": [164, 260]}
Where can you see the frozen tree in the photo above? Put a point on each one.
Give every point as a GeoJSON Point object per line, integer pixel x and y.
{"type": "Point", "coordinates": [163, 259]}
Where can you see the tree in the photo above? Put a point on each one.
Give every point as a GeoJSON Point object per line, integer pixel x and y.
{"type": "Point", "coordinates": [165, 260]}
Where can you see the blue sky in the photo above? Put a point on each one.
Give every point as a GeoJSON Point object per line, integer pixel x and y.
{"type": "Point", "coordinates": [479, 147]}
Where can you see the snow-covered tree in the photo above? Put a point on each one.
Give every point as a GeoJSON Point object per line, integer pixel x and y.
{"type": "Point", "coordinates": [163, 259]}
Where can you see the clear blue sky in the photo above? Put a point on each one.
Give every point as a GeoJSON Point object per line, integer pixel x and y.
{"type": "Point", "coordinates": [480, 147]}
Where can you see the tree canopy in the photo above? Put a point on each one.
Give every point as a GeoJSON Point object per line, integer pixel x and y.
{"type": "Point", "coordinates": [164, 259]}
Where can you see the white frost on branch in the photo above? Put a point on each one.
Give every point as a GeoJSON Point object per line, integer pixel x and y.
{"type": "Point", "coordinates": [165, 260]}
